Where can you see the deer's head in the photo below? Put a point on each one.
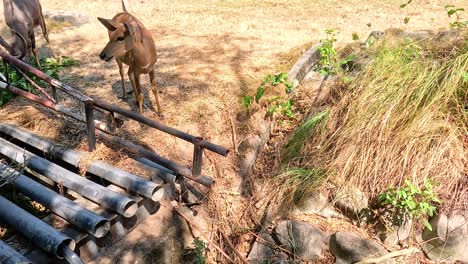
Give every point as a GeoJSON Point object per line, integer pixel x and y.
{"type": "Point", "coordinates": [121, 39]}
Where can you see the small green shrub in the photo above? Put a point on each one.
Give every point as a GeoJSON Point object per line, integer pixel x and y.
{"type": "Point", "coordinates": [329, 64]}
{"type": "Point", "coordinates": [277, 104]}
{"type": "Point", "coordinates": [458, 23]}
{"type": "Point", "coordinates": [413, 202]}
{"type": "Point", "coordinates": [199, 251]}
{"type": "Point", "coordinates": [50, 66]}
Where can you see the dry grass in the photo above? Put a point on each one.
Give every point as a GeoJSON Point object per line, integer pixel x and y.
{"type": "Point", "coordinates": [404, 117]}
{"type": "Point", "coordinates": [211, 53]}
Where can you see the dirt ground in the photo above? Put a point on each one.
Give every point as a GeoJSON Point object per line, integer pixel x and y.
{"type": "Point", "coordinates": [210, 54]}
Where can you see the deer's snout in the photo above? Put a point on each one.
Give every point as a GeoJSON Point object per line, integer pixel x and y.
{"type": "Point", "coordinates": [105, 56]}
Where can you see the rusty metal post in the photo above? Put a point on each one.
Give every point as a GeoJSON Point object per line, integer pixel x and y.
{"type": "Point", "coordinates": [197, 157]}
{"type": "Point", "coordinates": [89, 113]}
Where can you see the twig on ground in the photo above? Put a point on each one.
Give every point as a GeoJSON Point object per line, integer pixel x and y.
{"type": "Point", "coordinates": [394, 254]}
{"type": "Point", "coordinates": [234, 134]}
{"type": "Point", "coordinates": [241, 257]}
{"type": "Point", "coordinates": [210, 242]}
{"type": "Point", "coordinates": [272, 245]}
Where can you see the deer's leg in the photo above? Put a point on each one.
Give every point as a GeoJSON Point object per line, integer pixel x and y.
{"type": "Point", "coordinates": [138, 88]}
{"type": "Point", "coordinates": [154, 88]}
{"type": "Point", "coordinates": [34, 50]}
{"type": "Point", "coordinates": [122, 79]}
{"type": "Point", "coordinates": [46, 34]}
{"type": "Point", "coordinates": [135, 81]}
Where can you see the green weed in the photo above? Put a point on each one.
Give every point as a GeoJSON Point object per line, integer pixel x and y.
{"type": "Point", "coordinates": [413, 202]}
{"type": "Point", "coordinates": [199, 251]}
{"type": "Point", "coordinates": [329, 64]}
{"type": "Point", "coordinates": [276, 104]}
{"type": "Point", "coordinates": [458, 23]}
{"type": "Point", "coordinates": [50, 66]}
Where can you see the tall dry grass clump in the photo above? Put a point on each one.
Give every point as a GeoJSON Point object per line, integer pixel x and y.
{"type": "Point", "coordinates": [403, 117]}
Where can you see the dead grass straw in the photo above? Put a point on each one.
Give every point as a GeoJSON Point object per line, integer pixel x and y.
{"type": "Point", "coordinates": [406, 120]}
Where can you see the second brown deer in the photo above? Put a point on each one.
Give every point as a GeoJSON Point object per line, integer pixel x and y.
{"type": "Point", "coordinates": [132, 44]}
{"type": "Point", "coordinates": [22, 17]}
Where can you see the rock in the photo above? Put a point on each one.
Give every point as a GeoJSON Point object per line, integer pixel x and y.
{"type": "Point", "coordinates": [263, 251]}
{"type": "Point", "coordinates": [72, 18]}
{"type": "Point", "coordinates": [304, 65]}
{"type": "Point", "coordinates": [249, 150]}
{"type": "Point", "coordinates": [317, 204]}
{"type": "Point", "coordinates": [418, 35]}
{"type": "Point", "coordinates": [448, 240]}
{"type": "Point", "coordinates": [304, 240]}
{"type": "Point", "coordinates": [351, 201]}
{"type": "Point", "coordinates": [397, 234]}
{"type": "Point", "coordinates": [449, 35]}
{"type": "Point", "coordinates": [351, 248]}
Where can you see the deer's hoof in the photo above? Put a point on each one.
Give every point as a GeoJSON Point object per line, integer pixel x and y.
{"type": "Point", "coordinates": [161, 115]}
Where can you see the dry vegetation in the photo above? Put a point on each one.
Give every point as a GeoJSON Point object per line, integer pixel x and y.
{"type": "Point", "coordinates": [402, 117]}
{"type": "Point", "coordinates": [211, 53]}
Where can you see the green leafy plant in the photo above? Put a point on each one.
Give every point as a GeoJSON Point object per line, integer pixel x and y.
{"type": "Point", "coordinates": [465, 76]}
{"type": "Point", "coordinates": [51, 66]}
{"type": "Point", "coordinates": [453, 10]}
{"type": "Point", "coordinates": [199, 251]}
{"type": "Point", "coordinates": [407, 18]}
{"type": "Point", "coordinates": [277, 104]}
{"type": "Point", "coordinates": [405, 4]}
{"type": "Point", "coordinates": [355, 36]}
{"type": "Point", "coordinates": [329, 64]}
{"type": "Point", "coordinates": [413, 202]}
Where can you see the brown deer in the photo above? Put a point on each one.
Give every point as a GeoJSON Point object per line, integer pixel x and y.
{"type": "Point", "coordinates": [12, 49]}
{"type": "Point", "coordinates": [131, 43]}
{"type": "Point", "coordinates": [22, 17]}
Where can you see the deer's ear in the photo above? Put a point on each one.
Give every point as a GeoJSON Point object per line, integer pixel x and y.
{"type": "Point", "coordinates": [130, 38]}
{"type": "Point", "coordinates": [109, 23]}
{"type": "Point", "coordinates": [130, 28]}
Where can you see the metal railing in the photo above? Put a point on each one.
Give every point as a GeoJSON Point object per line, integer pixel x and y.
{"type": "Point", "coordinates": [94, 127]}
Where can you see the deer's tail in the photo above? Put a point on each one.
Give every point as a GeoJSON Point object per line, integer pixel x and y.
{"type": "Point", "coordinates": [123, 6]}
{"type": "Point", "coordinates": [44, 29]}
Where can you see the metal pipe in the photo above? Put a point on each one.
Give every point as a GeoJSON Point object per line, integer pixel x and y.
{"type": "Point", "coordinates": [26, 67]}
{"type": "Point", "coordinates": [71, 257]}
{"type": "Point", "coordinates": [197, 157]}
{"type": "Point", "coordinates": [157, 173]}
{"type": "Point", "coordinates": [157, 170]}
{"type": "Point", "coordinates": [113, 174]}
{"type": "Point", "coordinates": [10, 256]}
{"type": "Point", "coordinates": [81, 217]}
{"type": "Point", "coordinates": [138, 150]}
{"type": "Point", "coordinates": [170, 130]}
{"type": "Point", "coordinates": [39, 233]}
{"type": "Point", "coordinates": [33, 83]}
{"type": "Point", "coordinates": [49, 104]}
{"type": "Point", "coordinates": [89, 115]}
{"type": "Point", "coordinates": [91, 190]}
